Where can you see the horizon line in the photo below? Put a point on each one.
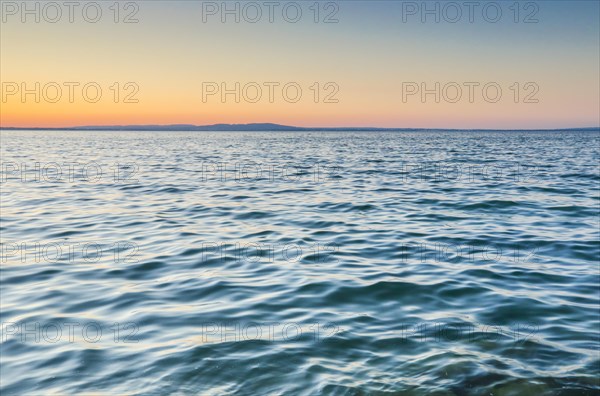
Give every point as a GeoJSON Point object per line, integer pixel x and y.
{"type": "Point", "coordinates": [268, 127]}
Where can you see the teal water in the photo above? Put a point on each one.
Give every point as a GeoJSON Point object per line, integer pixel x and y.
{"type": "Point", "coordinates": [459, 263]}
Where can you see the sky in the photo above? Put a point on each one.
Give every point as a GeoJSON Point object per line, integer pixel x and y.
{"type": "Point", "coordinates": [479, 64]}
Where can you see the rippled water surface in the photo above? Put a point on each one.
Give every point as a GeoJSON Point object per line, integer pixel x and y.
{"type": "Point", "coordinates": [300, 263]}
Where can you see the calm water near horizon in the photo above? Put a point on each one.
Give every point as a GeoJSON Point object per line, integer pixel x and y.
{"type": "Point", "coordinates": [338, 263]}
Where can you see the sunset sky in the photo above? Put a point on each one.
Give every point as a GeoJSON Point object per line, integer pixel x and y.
{"type": "Point", "coordinates": [373, 54]}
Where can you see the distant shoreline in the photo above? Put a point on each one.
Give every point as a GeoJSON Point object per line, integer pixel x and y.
{"type": "Point", "coordinates": [267, 127]}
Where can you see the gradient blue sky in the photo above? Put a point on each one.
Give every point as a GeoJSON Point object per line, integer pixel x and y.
{"type": "Point", "coordinates": [368, 54]}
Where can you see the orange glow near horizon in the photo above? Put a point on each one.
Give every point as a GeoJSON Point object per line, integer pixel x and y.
{"type": "Point", "coordinates": [170, 54]}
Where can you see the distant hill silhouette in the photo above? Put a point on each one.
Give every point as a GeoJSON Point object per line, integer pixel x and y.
{"type": "Point", "coordinates": [263, 127]}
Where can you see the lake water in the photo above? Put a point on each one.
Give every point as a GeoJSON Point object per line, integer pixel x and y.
{"type": "Point", "coordinates": [348, 263]}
